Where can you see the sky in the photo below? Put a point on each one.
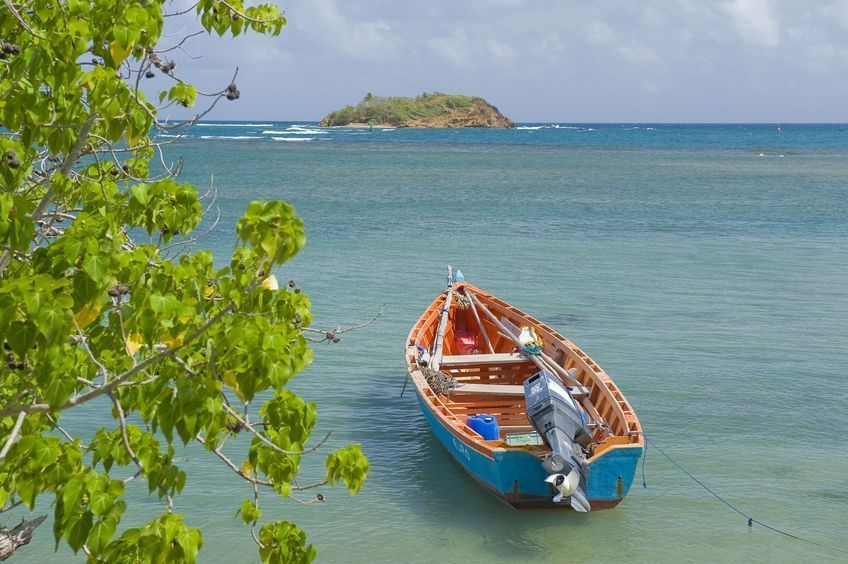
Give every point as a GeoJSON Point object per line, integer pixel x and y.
{"type": "Point", "coordinates": [768, 61]}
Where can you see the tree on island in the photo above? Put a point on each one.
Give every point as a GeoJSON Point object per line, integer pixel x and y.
{"type": "Point", "coordinates": [105, 302]}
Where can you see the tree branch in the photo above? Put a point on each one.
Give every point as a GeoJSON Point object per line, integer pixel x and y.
{"type": "Point", "coordinates": [22, 22]}
{"type": "Point", "coordinates": [106, 388]}
{"type": "Point", "coordinates": [243, 16]}
{"type": "Point", "coordinates": [13, 435]}
{"type": "Point", "coordinates": [67, 165]}
{"type": "Point", "coordinates": [246, 424]}
{"type": "Point", "coordinates": [10, 541]}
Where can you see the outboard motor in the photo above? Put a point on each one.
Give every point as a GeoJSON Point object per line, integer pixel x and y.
{"type": "Point", "coordinates": [559, 420]}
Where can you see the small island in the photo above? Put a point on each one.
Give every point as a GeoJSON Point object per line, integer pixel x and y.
{"type": "Point", "coordinates": [427, 110]}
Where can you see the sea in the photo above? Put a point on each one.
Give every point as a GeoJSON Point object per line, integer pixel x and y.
{"type": "Point", "coordinates": [704, 267]}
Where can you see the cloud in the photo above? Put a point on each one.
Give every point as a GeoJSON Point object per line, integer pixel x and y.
{"type": "Point", "coordinates": [551, 43]}
{"type": "Point", "coordinates": [835, 11]}
{"type": "Point", "coordinates": [354, 39]}
{"type": "Point", "coordinates": [754, 21]}
{"type": "Point", "coordinates": [600, 33]}
{"type": "Point", "coordinates": [638, 53]}
{"type": "Point", "coordinates": [653, 60]}
{"type": "Point", "coordinates": [502, 52]}
{"type": "Point", "coordinates": [452, 48]}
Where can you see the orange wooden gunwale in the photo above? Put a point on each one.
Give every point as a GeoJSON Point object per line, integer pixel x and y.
{"type": "Point", "coordinates": [604, 401]}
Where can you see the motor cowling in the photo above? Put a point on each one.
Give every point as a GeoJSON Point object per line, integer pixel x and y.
{"type": "Point", "coordinates": [561, 423]}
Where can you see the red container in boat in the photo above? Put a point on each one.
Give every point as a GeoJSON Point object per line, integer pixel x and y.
{"type": "Point", "coordinates": [466, 343]}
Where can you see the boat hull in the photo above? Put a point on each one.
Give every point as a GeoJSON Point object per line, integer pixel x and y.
{"type": "Point", "coordinates": [517, 477]}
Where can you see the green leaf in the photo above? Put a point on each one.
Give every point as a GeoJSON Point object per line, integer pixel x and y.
{"type": "Point", "coordinates": [140, 193]}
{"type": "Point", "coordinates": [190, 541]}
{"type": "Point", "coordinates": [349, 465]}
{"type": "Point", "coordinates": [21, 337]}
{"type": "Point", "coordinates": [123, 35]}
{"type": "Point", "coordinates": [101, 502]}
{"type": "Point", "coordinates": [158, 303]}
{"type": "Point", "coordinates": [53, 323]}
{"type": "Point", "coordinates": [96, 266]}
{"type": "Point", "coordinates": [249, 512]}
{"type": "Point", "coordinates": [101, 533]}
{"type": "Point", "coordinates": [72, 494]}
{"type": "Point", "coordinates": [77, 530]}
{"type": "Point", "coordinates": [72, 249]}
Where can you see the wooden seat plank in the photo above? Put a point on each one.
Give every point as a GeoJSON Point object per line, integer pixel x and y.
{"type": "Point", "coordinates": [475, 359]}
{"type": "Point", "coordinates": [506, 389]}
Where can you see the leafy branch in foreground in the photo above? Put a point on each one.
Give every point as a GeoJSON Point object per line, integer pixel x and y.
{"type": "Point", "coordinates": [105, 304]}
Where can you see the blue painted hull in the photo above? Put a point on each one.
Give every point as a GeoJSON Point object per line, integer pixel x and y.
{"type": "Point", "coordinates": [518, 478]}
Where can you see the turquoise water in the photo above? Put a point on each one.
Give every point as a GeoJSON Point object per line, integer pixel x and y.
{"type": "Point", "coordinates": [710, 282]}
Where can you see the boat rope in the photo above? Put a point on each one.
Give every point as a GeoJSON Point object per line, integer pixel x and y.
{"type": "Point", "coordinates": [751, 520]}
{"type": "Point", "coordinates": [531, 349]}
{"type": "Point", "coordinates": [462, 300]}
{"type": "Point", "coordinates": [406, 381]}
{"type": "Point", "coordinates": [438, 381]}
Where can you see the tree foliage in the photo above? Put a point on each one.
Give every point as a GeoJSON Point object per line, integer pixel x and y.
{"type": "Point", "coordinates": [397, 110]}
{"type": "Point", "coordinates": [103, 295]}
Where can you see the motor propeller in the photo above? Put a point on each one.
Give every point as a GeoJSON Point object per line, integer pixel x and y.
{"type": "Point", "coordinates": [568, 486]}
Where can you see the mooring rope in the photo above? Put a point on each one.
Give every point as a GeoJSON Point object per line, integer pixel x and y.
{"type": "Point", "coordinates": [751, 520]}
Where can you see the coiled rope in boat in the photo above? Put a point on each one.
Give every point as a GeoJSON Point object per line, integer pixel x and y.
{"type": "Point", "coordinates": [438, 381]}
{"type": "Point", "coordinates": [531, 349]}
{"type": "Point", "coordinates": [461, 299]}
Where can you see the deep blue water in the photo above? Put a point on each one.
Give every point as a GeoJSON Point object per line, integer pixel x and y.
{"type": "Point", "coordinates": [705, 267]}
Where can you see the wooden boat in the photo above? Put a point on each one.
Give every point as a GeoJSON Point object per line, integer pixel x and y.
{"type": "Point", "coordinates": [469, 339]}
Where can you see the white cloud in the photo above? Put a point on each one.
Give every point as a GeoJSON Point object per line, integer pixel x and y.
{"type": "Point", "coordinates": [502, 52]}
{"type": "Point", "coordinates": [652, 17]}
{"type": "Point", "coordinates": [555, 60]}
{"type": "Point", "coordinates": [452, 48]}
{"type": "Point", "coordinates": [754, 21]}
{"type": "Point", "coordinates": [600, 33]}
{"type": "Point", "coordinates": [837, 11]}
{"type": "Point", "coordinates": [551, 43]}
{"type": "Point", "coordinates": [354, 39]}
{"type": "Point", "coordinates": [638, 53]}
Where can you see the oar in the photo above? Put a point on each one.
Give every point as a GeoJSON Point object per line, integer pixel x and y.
{"type": "Point", "coordinates": [440, 333]}
{"type": "Point", "coordinates": [436, 359]}
{"type": "Point", "coordinates": [480, 325]}
{"type": "Point", "coordinates": [543, 361]}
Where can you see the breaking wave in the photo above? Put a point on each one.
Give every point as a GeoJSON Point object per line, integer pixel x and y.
{"type": "Point", "coordinates": [204, 124]}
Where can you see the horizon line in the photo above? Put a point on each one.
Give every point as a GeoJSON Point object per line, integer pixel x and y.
{"type": "Point", "coordinates": [777, 123]}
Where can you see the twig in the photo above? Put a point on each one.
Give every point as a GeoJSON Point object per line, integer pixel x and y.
{"type": "Point", "coordinates": [122, 420]}
{"type": "Point", "coordinates": [13, 435]}
{"type": "Point", "coordinates": [11, 506]}
{"type": "Point", "coordinates": [84, 342]}
{"type": "Point", "coordinates": [187, 10]}
{"type": "Point", "coordinates": [21, 20]}
{"type": "Point", "coordinates": [185, 366]}
{"type": "Point", "coordinates": [310, 486]}
{"type": "Point", "coordinates": [332, 334]}
{"type": "Point", "coordinates": [245, 17]}
{"type": "Point", "coordinates": [64, 432]}
{"type": "Point", "coordinates": [70, 159]}
{"type": "Point", "coordinates": [67, 164]}
{"type": "Point", "coordinates": [246, 424]}
{"type": "Point", "coordinates": [217, 452]}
